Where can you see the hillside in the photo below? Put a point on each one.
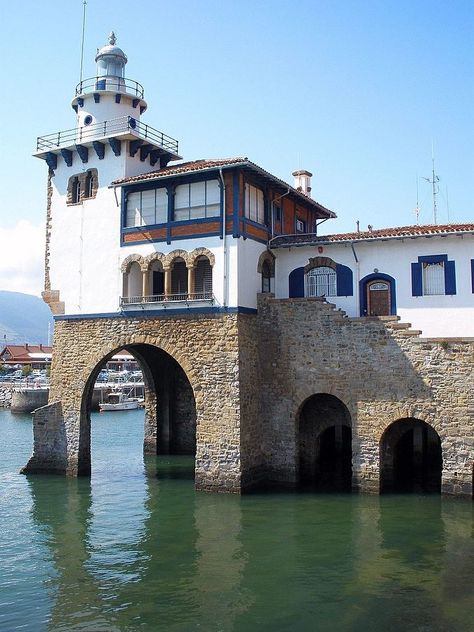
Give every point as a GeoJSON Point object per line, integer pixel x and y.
{"type": "Point", "coordinates": [24, 318]}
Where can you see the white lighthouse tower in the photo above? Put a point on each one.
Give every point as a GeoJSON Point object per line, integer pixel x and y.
{"type": "Point", "coordinates": [108, 142]}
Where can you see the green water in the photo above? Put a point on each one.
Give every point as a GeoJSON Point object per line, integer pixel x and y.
{"type": "Point", "coordinates": [136, 548]}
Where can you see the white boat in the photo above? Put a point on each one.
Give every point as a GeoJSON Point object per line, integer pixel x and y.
{"type": "Point", "coordinates": [118, 400]}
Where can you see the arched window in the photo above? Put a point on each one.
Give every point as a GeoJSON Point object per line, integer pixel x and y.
{"type": "Point", "coordinates": [135, 286]}
{"type": "Point", "coordinates": [203, 278]}
{"type": "Point", "coordinates": [156, 282]}
{"type": "Point", "coordinates": [266, 276]}
{"type": "Point", "coordinates": [321, 281]}
{"type": "Point", "coordinates": [88, 186]}
{"type": "Point", "coordinates": [76, 191]}
{"type": "Point", "coordinates": [179, 279]}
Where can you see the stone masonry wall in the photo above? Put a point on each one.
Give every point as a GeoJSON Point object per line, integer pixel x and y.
{"type": "Point", "coordinates": [381, 371]}
{"type": "Point", "coordinates": [206, 347]}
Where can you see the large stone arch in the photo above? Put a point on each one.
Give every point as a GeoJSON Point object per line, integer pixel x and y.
{"type": "Point", "coordinates": [207, 351]}
{"type": "Point", "coordinates": [324, 437]}
{"type": "Point", "coordinates": [411, 457]}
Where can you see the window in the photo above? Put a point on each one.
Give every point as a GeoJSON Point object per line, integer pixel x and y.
{"type": "Point", "coordinates": [147, 207]}
{"type": "Point", "coordinates": [88, 185]}
{"type": "Point", "coordinates": [203, 278]}
{"type": "Point", "coordinates": [76, 191]}
{"type": "Point", "coordinates": [433, 275]}
{"type": "Point", "coordinates": [254, 207]}
{"type": "Point", "coordinates": [82, 186]}
{"type": "Point", "coordinates": [266, 276]}
{"type": "Point", "coordinates": [197, 199]}
{"type": "Point", "coordinates": [433, 278]}
{"type": "Point", "coordinates": [300, 226]}
{"type": "Point", "coordinates": [321, 281]}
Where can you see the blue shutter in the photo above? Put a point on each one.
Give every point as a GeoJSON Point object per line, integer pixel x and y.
{"type": "Point", "coordinates": [472, 275]}
{"type": "Point", "coordinates": [449, 277]}
{"type": "Point", "coordinates": [296, 283]}
{"type": "Point", "coordinates": [416, 279]}
{"type": "Point", "coordinates": [344, 280]}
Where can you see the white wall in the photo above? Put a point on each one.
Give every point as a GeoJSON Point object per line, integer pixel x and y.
{"type": "Point", "coordinates": [436, 316]}
{"type": "Point", "coordinates": [249, 281]}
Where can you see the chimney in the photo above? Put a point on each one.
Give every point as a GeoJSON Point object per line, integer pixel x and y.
{"type": "Point", "coordinates": [41, 347]}
{"type": "Point", "coordinates": [303, 181]}
{"type": "Point", "coordinates": [26, 346]}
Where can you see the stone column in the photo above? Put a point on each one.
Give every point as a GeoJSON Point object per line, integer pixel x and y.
{"type": "Point", "coordinates": [167, 271]}
{"type": "Point", "coordinates": [190, 280]}
{"type": "Point", "coordinates": [145, 283]}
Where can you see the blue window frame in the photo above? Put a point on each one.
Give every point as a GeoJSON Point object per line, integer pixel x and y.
{"type": "Point", "coordinates": [433, 275]}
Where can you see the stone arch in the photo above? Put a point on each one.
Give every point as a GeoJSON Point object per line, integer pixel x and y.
{"type": "Point", "coordinates": [269, 258]}
{"type": "Point", "coordinates": [172, 397]}
{"type": "Point", "coordinates": [411, 459]}
{"type": "Point", "coordinates": [127, 262]}
{"type": "Point", "coordinates": [150, 259]}
{"type": "Point", "coordinates": [324, 437]}
{"type": "Point", "coordinates": [320, 262]}
{"type": "Point", "coordinates": [175, 254]}
{"type": "Point", "coordinates": [201, 252]}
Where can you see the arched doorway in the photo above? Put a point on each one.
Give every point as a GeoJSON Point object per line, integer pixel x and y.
{"type": "Point", "coordinates": [170, 409]}
{"type": "Point", "coordinates": [325, 444]}
{"type": "Point", "coordinates": [378, 295]}
{"type": "Point", "coordinates": [410, 458]}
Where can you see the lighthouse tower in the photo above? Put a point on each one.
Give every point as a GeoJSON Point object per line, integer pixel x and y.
{"type": "Point", "coordinates": [108, 142]}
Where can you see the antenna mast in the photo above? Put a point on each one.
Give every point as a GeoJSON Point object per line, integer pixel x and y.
{"type": "Point", "coordinates": [434, 183]}
{"type": "Point", "coordinates": [417, 208]}
{"type": "Point", "coordinates": [84, 4]}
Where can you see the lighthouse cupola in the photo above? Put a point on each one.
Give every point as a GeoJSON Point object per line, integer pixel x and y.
{"type": "Point", "coordinates": [109, 95]}
{"type": "Point", "coordinates": [111, 60]}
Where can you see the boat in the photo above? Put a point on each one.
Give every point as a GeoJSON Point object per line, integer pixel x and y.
{"type": "Point", "coordinates": [118, 400]}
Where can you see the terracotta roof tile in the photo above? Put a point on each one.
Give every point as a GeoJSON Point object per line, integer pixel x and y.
{"type": "Point", "coordinates": [207, 164]}
{"type": "Point", "coordinates": [397, 232]}
{"type": "Point", "coordinates": [184, 167]}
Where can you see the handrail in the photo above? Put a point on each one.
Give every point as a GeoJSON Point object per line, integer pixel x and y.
{"type": "Point", "coordinates": [88, 133]}
{"type": "Point", "coordinates": [112, 84]}
{"type": "Point", "coordinates": [182, 297]}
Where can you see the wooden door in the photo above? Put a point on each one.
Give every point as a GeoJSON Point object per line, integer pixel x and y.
{"type": "Point", "coordinates": [378, 298]}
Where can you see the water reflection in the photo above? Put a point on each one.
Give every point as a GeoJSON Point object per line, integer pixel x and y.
{"type": "Point", "coordinates": [136, 548]}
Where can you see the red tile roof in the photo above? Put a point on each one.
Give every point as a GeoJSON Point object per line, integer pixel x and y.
{"type": "Point", "coordinates": [184, 167]}
{"type": "Point", "coordinates": [398, 232]}
{"type": "Point", "coordinates": [209, 164]}
{"type": "Point", "coordinates": [20, 353]}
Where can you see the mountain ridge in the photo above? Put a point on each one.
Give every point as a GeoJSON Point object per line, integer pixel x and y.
{"type": "Point", "coordinates": [24, 318]}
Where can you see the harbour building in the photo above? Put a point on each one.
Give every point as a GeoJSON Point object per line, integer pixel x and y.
{"type": "Point", "coordinates": [277, 353]}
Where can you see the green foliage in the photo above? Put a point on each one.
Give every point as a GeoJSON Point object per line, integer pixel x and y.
{"type": "Point", "coordinates": [26, 370]}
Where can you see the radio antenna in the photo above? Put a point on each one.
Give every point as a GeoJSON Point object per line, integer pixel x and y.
{"type": "Point", "coordinates": [84, 4]}
{"type": "Point", "coordinates": [435, 187]}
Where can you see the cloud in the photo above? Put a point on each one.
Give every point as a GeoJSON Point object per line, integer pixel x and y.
{"type": "Point", "coordinates": [22, 258]}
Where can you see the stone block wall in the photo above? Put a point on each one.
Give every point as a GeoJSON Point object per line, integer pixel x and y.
{"type": "Point", "coordinates": [207, 349]}
{"type": "Point", "coordinates": [379, 369]}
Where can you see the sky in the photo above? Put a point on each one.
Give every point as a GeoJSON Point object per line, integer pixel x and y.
{"type": "Point", "coordinates": [357, 92]}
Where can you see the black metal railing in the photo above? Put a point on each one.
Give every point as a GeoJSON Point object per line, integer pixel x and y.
{"type": "Point", "coordinates": [181, 297]}
{"type": "Point", "coordinates": [112, 84]}
{"type": "Point", "coordinates": [121, 125]}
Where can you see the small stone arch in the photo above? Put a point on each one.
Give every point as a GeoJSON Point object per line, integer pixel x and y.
{"type": "Point", "coordinates": [175, 254]}
{"type": "Point", "coordinates": [127, 262]}
{"type": "Point", "coordinates": [324, 437]}
{"type": "Point", "coordinates": [269, 258]}
{"type": "Point", "coordinates": [320, 262]}
{"type": "Point", "coordinates": [201, 252]}
{"type": "Point", "coordinates": [411, 459]}
{"type": "Point", "coordinates": [150, 259]}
